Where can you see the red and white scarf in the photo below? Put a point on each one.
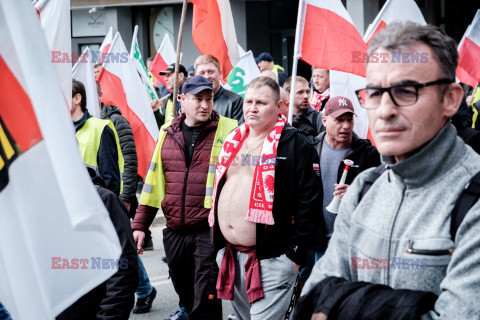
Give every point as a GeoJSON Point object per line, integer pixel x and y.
{"type": "Point", "coordinates": [261, 197]}
{"type": "Point", "coordinates": [318, 98]}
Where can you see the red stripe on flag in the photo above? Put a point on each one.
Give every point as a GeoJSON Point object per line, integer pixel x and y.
{"type": "Point", "coordinates": [468, 63]}
{"type": "Point", "coordinates": [114, 94]}
{"type": "Point", "coordinates": [330, 41]}
{"type": "Point", "coordinates": [207, 33]}
{"type": "Point", "coordinates": [17, 111]}
{"type": "Point", "coordinates": [158, 65]}
{"type": "Point", "coordinates": [379, 28]}
{"type": "Point", "coordinates": [370, 137]}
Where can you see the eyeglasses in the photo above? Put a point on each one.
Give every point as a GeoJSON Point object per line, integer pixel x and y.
{"type": "Point", "coordinates": [402, 95]}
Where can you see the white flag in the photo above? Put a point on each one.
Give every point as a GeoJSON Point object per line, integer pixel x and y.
{"type": "Point", "coordinates": [51, 215]}
{"type": "Point", "coordinates": [104, 47]}
{"type": "Point", "coordinates": [55, 19]}
{"type": "Point", "coordinates": [394, 10]}
{"type": "Point", "coordinates": [244, 71]}
{"type": "Point", "coordinates": [137, 60]}
{"type": "Point", "coordinates": [166, 55]}
{"type": "Point", "coordinates": [83, 71]}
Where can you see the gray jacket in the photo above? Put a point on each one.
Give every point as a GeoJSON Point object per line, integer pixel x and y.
{"type": "Point", "coordinates": [229, 104]}
{"type": "Point", "coordinates": [412, 202]}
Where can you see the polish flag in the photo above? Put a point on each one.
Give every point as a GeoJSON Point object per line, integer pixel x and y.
{"type": "Point", "coordinates": [399, 10]}
{"type": "Point", "coordinates": [105, 46]}
{"type": "Point", "coordinates": [213, 32]}
{"type": "Point", "coordinates": [468, 70]}
{"type": "Point", "coordinates": [83, 71]}
{"type": "Point", "coordinates": [165, 56]}
{"type": "Point", "coordinates": [49, 206]}
{"type": "Point", "coordinates": [122, 87]}
{"type": "Point", "coordinates": [54, 17]}
{"type": "Point", "coordinates": [329, 39]}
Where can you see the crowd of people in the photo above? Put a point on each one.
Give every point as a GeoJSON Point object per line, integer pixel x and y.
{"type": "Point", "coordinates": [246, 194]}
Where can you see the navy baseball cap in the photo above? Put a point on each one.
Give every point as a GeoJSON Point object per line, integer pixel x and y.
{"type": "Point", "coordinates": [196, 84]}
{"type": "Point", "coordinates": [264, 56]}
{"type": "Point", "coordinates": [191, 69]}
{"type": "Point", "coordinates": [171, 69]}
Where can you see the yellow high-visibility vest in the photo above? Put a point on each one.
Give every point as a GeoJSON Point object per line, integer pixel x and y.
{"type": "Point", "coordinates": [169, 111]}
{"type": "Point", "coordinates": [476, 97]}
{"type": "Point", "coordinates": [89, 137]}
{"type": "Point", "coordinates": [275, 70]}
{"type": "Point", "coordinates": [154, 188]}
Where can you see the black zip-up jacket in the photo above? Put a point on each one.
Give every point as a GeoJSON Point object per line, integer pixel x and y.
{"type": "Point", "coordinates": [340, 299]}
{"type": "Point", "coordinates": [229, 104]}
{"type": "Point", "coordinates": [361, 152]}
{"type": "Point", "coordinates": [296, 204]}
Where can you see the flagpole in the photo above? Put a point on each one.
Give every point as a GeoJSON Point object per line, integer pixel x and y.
{"type": "Point", "coordinates": [179, 48]}
{"type": "Point", "coordinates": [296, 56]}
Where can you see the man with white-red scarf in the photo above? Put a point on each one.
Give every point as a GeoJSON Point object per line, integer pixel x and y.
{"type": "Point", "coordinates": [265, 195]}
{"type": "Point", "coordinates": [321, 86]}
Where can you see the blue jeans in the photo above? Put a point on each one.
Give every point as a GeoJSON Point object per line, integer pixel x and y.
{"type": "Point", "coordinates": [144, 286]}
{"type": "Point", "coordinates": [306, 270]}
{"type": "Point", "coordinates": [4, 315]}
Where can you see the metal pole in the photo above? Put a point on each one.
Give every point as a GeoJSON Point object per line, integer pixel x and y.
{"type": "Point", "coordinates": [179, 48]}
{"type": "Point", "coordinates": [296, 55]}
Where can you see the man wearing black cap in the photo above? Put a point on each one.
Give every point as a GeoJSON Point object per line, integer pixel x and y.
{"type": "Point", "coordinates": [180, 182]}
{"type": "Point", "coordinates": [265, 62]}
{"type": "Point", "coordinates": [169, 112]}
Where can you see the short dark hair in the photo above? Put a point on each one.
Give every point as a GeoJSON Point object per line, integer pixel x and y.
{"type": "Point", "coordinates": [288, 83]}
{"type": "Point", "coordinates": [79, 88]}
{"type": "Point", "coordinates": [97, 65]}
{"type": "Point", "coordinates": [266, 82]}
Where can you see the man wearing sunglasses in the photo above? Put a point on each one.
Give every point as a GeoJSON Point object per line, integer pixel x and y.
{"type": "Point", "coordinates": [393, 244]}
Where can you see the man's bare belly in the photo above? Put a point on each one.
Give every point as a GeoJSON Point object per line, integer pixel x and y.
{"type": "Point", "coordinates": [234, 201]}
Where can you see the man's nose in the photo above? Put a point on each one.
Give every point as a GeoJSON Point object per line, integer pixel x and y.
{"type": "Point", "coordinates": [387, 108]}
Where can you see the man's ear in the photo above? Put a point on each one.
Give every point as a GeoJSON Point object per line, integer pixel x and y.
{"type": "Point", "coordinates": [324, 121]}
{"type": "Point", "coordinates": [452, 99]}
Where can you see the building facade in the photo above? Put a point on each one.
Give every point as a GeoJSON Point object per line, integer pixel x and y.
{"type": "Point", "coordinates": [261, 25]}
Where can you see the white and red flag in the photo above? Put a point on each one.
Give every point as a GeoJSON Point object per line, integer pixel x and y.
{"type": "Point", "coordinates": [105, 46]}
{"type": "Point", "coordinates": [165, 56]}
{"type": "Point", "coordinates": [213, 32]}
{"type": "Point", "coordinates": [122, 87]}
{"type": "Point", "coordinates": [468, 70]}
{"type": "Point", "coordinates": [54, 17]}
{"type": "Point", "coordinates": [328, 37]}
{"type": "Point", "coordinates": [83, 71]}
{"type": "Point", "coordinates": [399, 10]}
{"type": "Point", "coordinates": [51, 215]}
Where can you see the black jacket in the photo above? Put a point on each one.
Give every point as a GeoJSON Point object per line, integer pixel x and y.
{"type": "Point", "coordinates": [107, 156]}
{"type": "Point", "coordinates": [296, 199]}
{"type": "Point", "coordinates": [314, 117]}
{"type": "Point", "coordinates": [362, 153]}
{"type": "Point", "coordinates": [114, 298]}
{"type": "Point", "coordinates": [229, 104]}
{"type": "Point", "coordinates": [127, 145]}
{"type": "Point", "coordinates": [340, 299]}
